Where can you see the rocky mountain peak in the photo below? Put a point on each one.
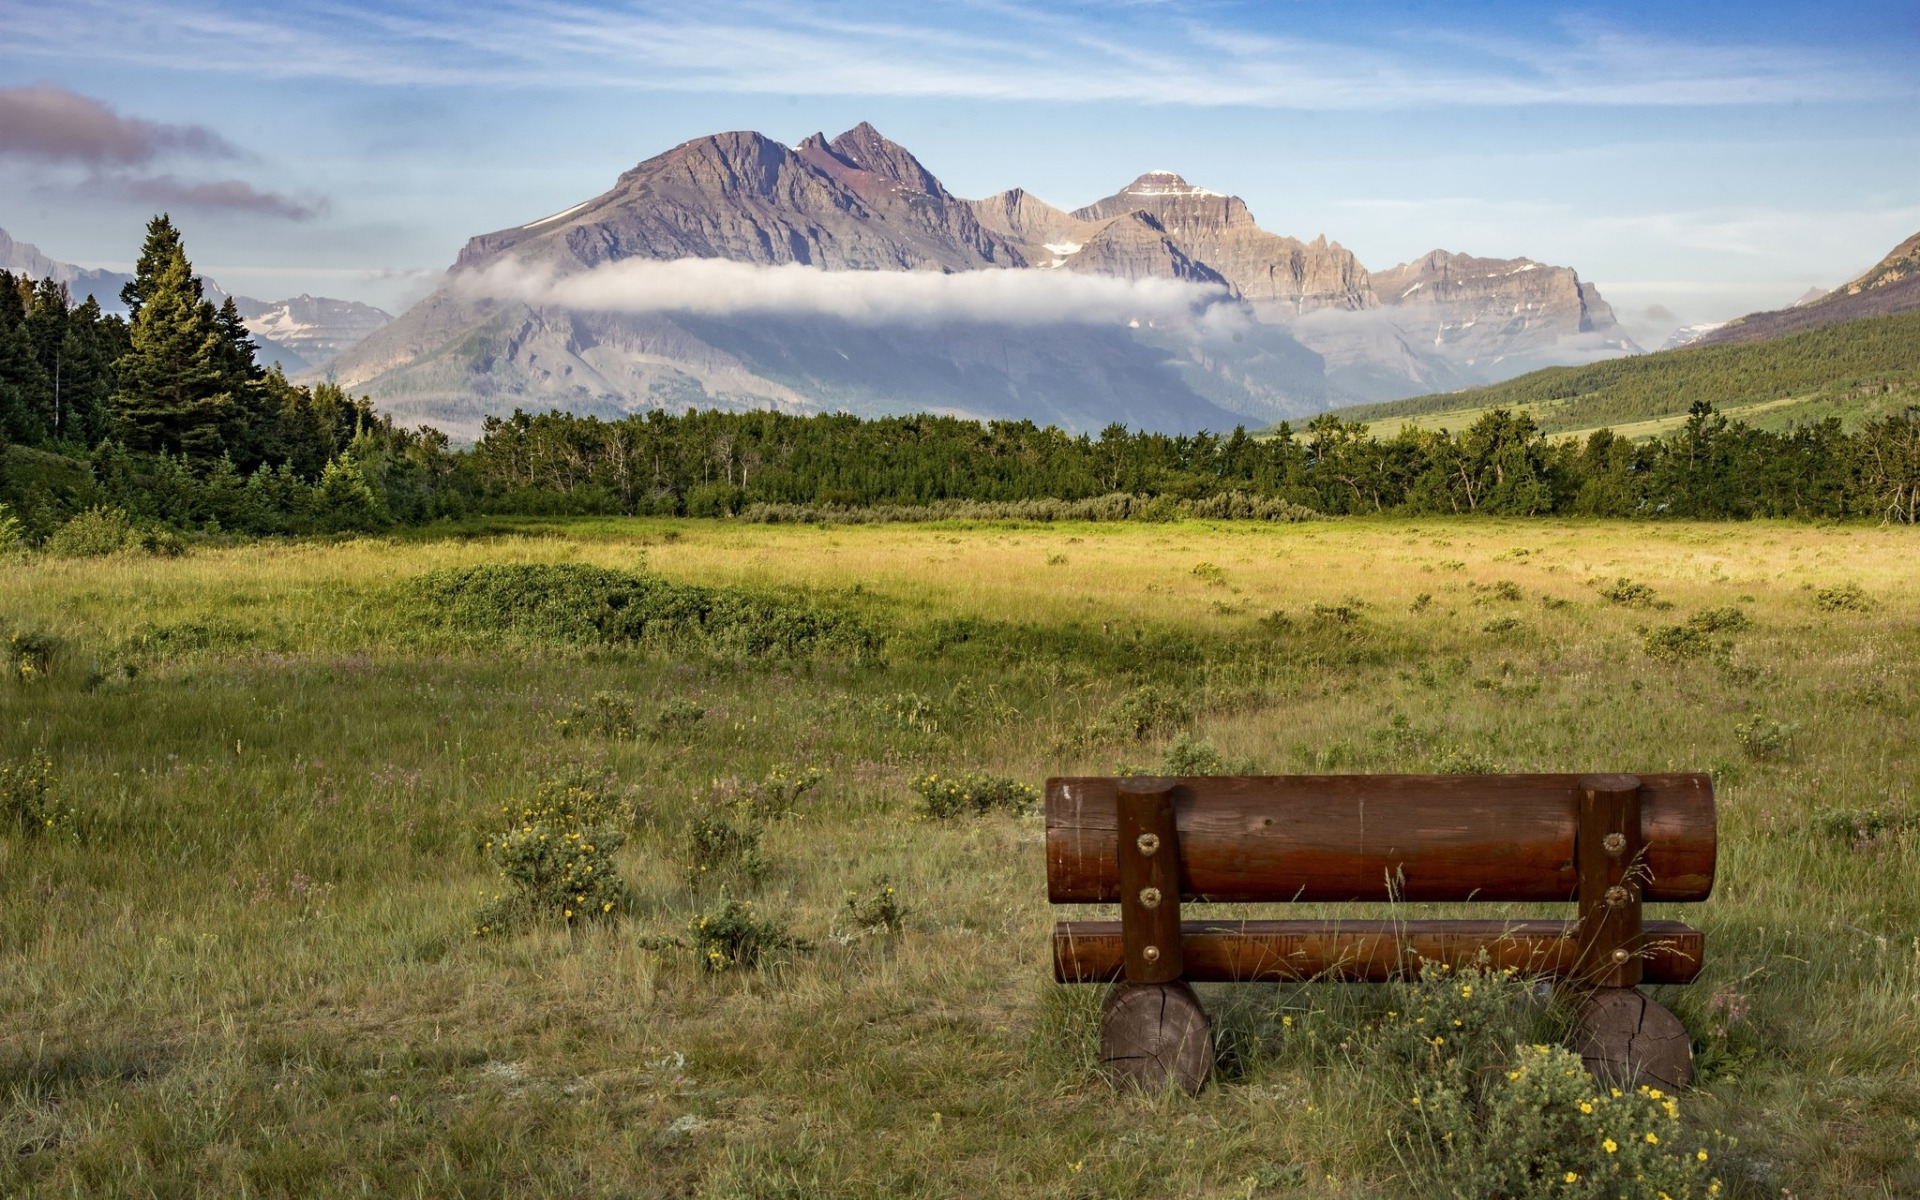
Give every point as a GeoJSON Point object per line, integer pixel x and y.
{"type": "Point", "coordinates": [1163, 183]}
{"type": "Point", "coordinates": [864, 148]}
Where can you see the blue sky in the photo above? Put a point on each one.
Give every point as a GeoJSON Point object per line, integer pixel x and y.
{"type": "Point", "coordinates": [1698, 160]}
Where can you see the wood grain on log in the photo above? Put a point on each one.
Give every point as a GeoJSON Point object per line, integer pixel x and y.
{"type": "Point", "coordinates": [1627, 1040]}
{"type": "Point", "coordinates": [1367, 951]}
{"type": "Point", "coordinates": [1365, 837]}
{"type": "Point", "coordinates": [1156, 1035]}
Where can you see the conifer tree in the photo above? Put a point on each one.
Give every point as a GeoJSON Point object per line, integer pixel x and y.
{"type": "Point", "coordinates": [24, 391]}
{"type": "Point", "coordinates": [174, 394]}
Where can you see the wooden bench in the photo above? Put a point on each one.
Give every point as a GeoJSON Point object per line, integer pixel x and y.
{"type": "Point", "coordinates": [1604, 842]}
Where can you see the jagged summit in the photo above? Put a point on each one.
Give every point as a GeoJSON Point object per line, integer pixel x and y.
{"type": "Point", "coordinates": [1164, 183]}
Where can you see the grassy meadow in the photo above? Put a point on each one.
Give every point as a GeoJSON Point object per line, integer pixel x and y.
{"type": "Point", "coordinates": [238, 957]}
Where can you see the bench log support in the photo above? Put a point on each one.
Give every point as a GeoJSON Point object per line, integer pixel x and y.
{"type": "Point", "coordinates": [1624, 1037]}
{"type": "Point", "coordinates": [1153, 1031]}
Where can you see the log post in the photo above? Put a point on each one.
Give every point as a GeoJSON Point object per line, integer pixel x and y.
{"type": "Point", "coordinates": [1606, 850]}
{"type": "Point", "coordinates": [1153, 1030]}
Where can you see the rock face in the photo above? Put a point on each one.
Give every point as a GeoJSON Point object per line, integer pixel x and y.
{"type": "Point", "coordinates": [1278, 327]}
{"type": "Point", "coordinates": [1259, 266]}
{"type": "Point", "coordinates": [1892, 286]}
{"type": "Point", "coordinates": [1493, 309]}
{"type": "Point", "coordinates": [22, 258]}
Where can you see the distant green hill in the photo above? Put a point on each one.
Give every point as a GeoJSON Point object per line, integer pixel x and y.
{"type": "Point", "coordinates": [1854, 371]}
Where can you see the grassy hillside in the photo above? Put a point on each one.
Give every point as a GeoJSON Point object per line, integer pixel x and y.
{"type": "Point", "coordinates": [1854, 371]}
{"type": "Point", "coordinates": [241, 959]}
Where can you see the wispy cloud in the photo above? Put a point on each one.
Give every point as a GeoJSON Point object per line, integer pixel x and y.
{"type": "Point", "coordinates": [47, 123]}
{"type": "Point", "coordinates": [719, 287]}
{"type": "Point", "coordinates": [215, 195]}
{"type": "Point", "coordinates": [980, 50]}
{"type": "Point", "coordinates": [82, 146]}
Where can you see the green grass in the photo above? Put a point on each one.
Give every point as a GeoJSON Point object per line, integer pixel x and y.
{"type": "Point", "coordinates": [1854, 371]}
{"type": "Point", "coordinates": [252, 972]}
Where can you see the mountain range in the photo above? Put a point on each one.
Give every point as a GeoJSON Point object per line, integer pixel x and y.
{"type": "Point", "coordinates": [302, 334]}
{"type": "Point", "coordinates": [1164, 305]}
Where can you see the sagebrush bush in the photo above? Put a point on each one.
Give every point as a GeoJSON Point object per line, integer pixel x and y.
{"type": "Point", "coordinates": [778, 794]}
{"type": "Point", "coordinates": [973, 794]}
{"type": "Point", "coordinates": [1190, 756]}
{"type": "Point", "coordinates": [1672, 643]}
{"type": "Point", "coordinates": [1726, 619]}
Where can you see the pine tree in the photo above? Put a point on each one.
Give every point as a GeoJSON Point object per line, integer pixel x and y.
{"type": "Point", "coordinates": [174, 381]}
{"type": "Point", "coordinates": [24, 391]}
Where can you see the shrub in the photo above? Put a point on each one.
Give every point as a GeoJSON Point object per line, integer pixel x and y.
{"type": "Point", "coordinates": [1141, 712]}
{"type": "Point", "coordinates": [1214, 576]}
{"type": "Point", "coordinates": [95, 532]}
{"type": "Point", "coordinates": [1847, 597]}
{"type": "Point", "coordinates": [973, 794]}
{"type": "Point", "coordinates": [731, 936]}
{"type": "Point", "coordinates": [723, 839]}
{"type": "Point", "coordinates": [13, 534]}
{"type": "Point", "coordinates": [556, 857]}
{"type": "Point", "coordinates": [1629, 594]}
{"type": "Point", "coordinates": [1505, 627]}
{"type": "Point", "coordinates": [30, 655]}
{"type": "Point", "coordinates": [1188, 756]}
{"type": "Point", "coordinates": [1671, 643]}
{"type": "Point", "coordinates": [1763, 738]}
{"type": "Point", "coordinates": [1727, 619]}
{"type": "Point", "coordinates": [778, 795]}
{"type": "Point", "coordinates": [572, 603]}
{"type": "Point", "coordinates": [678, 716]}
{"type": "Point", "coordinates": [1344, 613]}
{"type": "Point", "coordinates": [608, 715]}
{"type": "Point", "coordinates": [26, 801]}
{"type": "Point", "coordinates": [1865, 828]}
{"type": "Point", "coordinates": [876, 910]}
{"type": "Point", "coordinates": [1543, 1127]}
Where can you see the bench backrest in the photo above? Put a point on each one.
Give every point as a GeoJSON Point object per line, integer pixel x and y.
{"type": "Point", "coordinates": [1340, 838]}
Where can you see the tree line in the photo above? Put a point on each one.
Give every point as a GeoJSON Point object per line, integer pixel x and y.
{"type": "Point", "coordinates": [168, 415]}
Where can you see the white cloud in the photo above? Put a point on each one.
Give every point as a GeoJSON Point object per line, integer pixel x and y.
{"type": "Point", "coordinates": [719, 287]}
{"type": "Point", "coordinates": [1004, 51]}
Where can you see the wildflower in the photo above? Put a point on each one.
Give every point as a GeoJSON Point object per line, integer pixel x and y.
{"type": "Point", "coordinates": [1572, 1177]}
{"type": "Point", "coordinates": [1701, 1155]}
{"type": "Point", "coordinates": [1416, 1100]}
{"type": "Point", "coordinates": [1287, 1021]}
{"type": "Point", "coordinates": [1653, 1139]}
{"type": "Point", "coordinates": [1610, 1145]}
{"type": "Point", "coordinates": [1586, 1108]}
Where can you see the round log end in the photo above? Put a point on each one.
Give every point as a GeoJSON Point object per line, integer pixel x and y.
{"type": "Point", "coordinates": [1627, 1040]}
{"type": "Point", "coordinates": [1156, 1035]}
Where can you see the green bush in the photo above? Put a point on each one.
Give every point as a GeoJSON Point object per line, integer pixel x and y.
{"type": "Point", "coordinates": [1629, 594]}
{"type": "Point", "coordinates": [1543, 1128]}
{"type": "Point", "coordinates": [973, 794]}
{"type": "Point", "coordinates": [1846, 597]}
{"type": "Point", "coordinates": [94, 532]}
{"type": "Point", "coordinates": [1726, 619]}
{"type": "Point", "coordinates": [1188, 756]}
{"type": "Point", "coordinates": [1505, 627]}
{"type": "Point", "coordinates": [723, 839]}
{"type": "Point", "coordinates": [678, 716]}
{"type": "Point", "coordinates": [1764, 738]}
{"type": "Point", "coordinates": [608, 715]}
{"type": "Point", "coordinates": [30, 655]}
{"type": "Point", "coordinates": [1862, 828]}
{"type": "Point", "coordinates": [26, 800]}
{"type": "Point", "coordinates": [1672, 643]}
{"type": "Point", "coordinates": [731, 936]}
{"type": "Point", "coordinates": [877, 909]}
{"type": "Point", "coordinates": [556, 858]}
{"type": "Point", "coordinates": [1140, 712]}
{"type": "Point", "coordinates": [571, 603]}
{"type": "Point", "coordinates": [778, 795]}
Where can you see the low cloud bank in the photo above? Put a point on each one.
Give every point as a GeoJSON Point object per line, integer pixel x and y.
{"type": "Point", "coordinates": [52, 124]}
{"type": "Point", "coordinates": [720, 287]}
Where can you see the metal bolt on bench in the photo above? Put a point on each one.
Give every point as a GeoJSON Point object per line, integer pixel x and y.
{"type": "Point", "coordinates": [1604, 842]}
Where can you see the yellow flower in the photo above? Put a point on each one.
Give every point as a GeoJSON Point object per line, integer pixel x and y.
{"type": "Point", "coordinates": [1287, 1021]}
{"type": "Point", "coordinates": [1573, 1177]}
{"type": "Point", "coordinates": [1610, 1145]}
{"type": "Point", "coordinates": [1653, 1139]}
{"type": "Point", "coordinates": [1701, 1155]}
{"type": "Point", "coordinates": [1586, 1108]}
{"type": "Point", "coordinates": [1416, 1099]}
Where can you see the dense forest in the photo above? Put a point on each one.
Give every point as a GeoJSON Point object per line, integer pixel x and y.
{"type": "Point", "coordinates": [166, 421]}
